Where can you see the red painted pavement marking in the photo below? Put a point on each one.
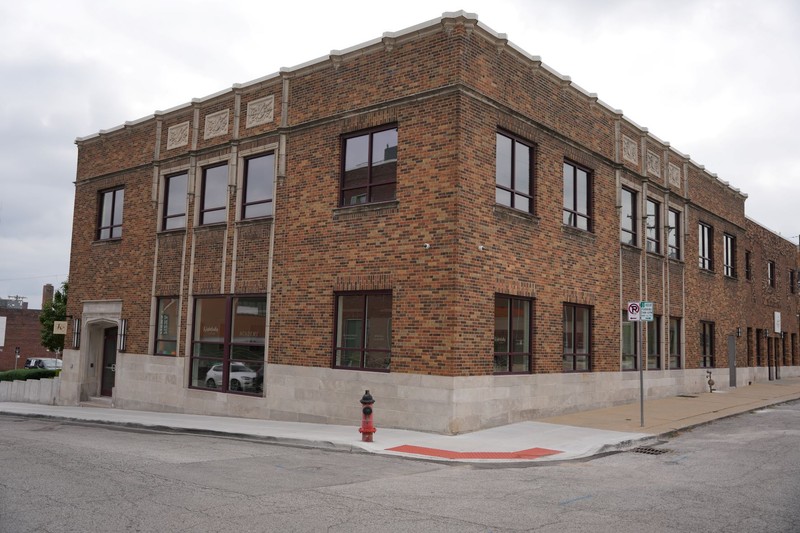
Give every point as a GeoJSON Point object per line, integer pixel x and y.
{"type": "Point", "coordinates": [532, 453]}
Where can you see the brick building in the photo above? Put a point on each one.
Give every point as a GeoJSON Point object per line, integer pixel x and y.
{"type": "Point", "coordinates": [435, 216]}
{"type": "Point", "coordinates": [23, 331]}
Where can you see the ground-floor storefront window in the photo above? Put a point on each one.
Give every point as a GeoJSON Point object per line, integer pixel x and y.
{"type": "Point", "coordinates": [228, 343]}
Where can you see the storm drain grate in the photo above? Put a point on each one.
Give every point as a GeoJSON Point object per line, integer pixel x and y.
{"type": "Point", "coordinates": [686, 396]}
{"type": "Point", "coordinates": [649, 451]}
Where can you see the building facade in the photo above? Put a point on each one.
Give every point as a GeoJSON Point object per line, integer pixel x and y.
{"type": "Point", "coordinates": [435, 216]}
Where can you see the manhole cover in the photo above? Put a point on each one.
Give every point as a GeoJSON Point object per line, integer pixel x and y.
{"type": "Point", "coordinates": [649, 451]}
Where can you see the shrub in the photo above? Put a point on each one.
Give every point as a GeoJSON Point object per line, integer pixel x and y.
{"type": "Point", "coordinates": [28, 373]}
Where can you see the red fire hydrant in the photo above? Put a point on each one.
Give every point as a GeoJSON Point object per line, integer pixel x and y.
{"type": "Point", "coordinates": [366, 429]}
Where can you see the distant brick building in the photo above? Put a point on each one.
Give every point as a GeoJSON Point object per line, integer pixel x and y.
{"type": "Point", "coordinates": [434, 215]}
{"type": "Point", "coordinates": [23, 331]}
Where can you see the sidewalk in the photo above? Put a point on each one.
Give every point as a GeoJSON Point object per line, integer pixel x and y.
{"type": "Point", "coordinates": [566, 437]}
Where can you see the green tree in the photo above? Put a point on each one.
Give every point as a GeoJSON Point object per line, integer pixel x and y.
{"type": "Point", "coordinates": [51, 312]}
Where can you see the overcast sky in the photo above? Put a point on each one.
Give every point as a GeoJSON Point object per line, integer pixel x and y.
{"type": "Point", "coordinates": [717, 79]}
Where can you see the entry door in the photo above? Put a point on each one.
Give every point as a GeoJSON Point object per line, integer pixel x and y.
{"type": "Point", "coordinates": [109, 361]}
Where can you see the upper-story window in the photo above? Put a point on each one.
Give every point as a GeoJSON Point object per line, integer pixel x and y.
{"type": "Point", "coordinates": [175, 201]}
{"type": "Point", "coordinates": [771, 273]}
{"type": "Point", "coordinates": [514, 173]}
{"type": "Point", "coordinates": [259, 177]}
{"type": "Point", "coordinates": [729, 255]}
{"type": "Point", "coordinates": [748, 264]}
{"type": "Point", "coordinates": [792, 281]}
{"type": "Point", "coordinates": [214, 194]}
{"type": "Point", "coordinates": [369, 167]}
{"type": "Point", "coordinates": [653, 226]}
{"type": "Point", "coordinates": [628, 222]}
{"type": "Point", "coordinates": [674, 234]}
{"type": "Point", "coordinates": [109, 220]}
{"type": "Point", "coordinates": [577, 196]}
{"type": "Point", "coordinates": [705, 246]}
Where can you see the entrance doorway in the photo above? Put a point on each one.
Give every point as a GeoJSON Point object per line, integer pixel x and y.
{"type": "Point", "coordinates": [109, 361]}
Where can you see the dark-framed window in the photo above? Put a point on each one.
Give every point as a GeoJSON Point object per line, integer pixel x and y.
{"type": "Point", "coordinates": [653, 226]}
{"type": "Point", "coordinates": [792, 281]}
{"type": "Point", "coordinates": [630, 344]}
{"type": "Point", "coordinates": [512, 335]}
{"type": "Point", "coordinates": [577, 196]}
{"type": "Point", "coordinates": [228, 334]}
{"type": "Point", "coordinates": [168, 311]}
{"type": "Point", "coordinates": [771, 273]}
{"type": "Point", "coordinates": [706, 344]}
{"type": "Point", "coordinates": [654, 343]}
{"type": "Point", "coordinates": [369, 167]}
{"type": "Point", "coordinates": [794, 348]}
{"type": "Point", "coordinates": [514, 173]}
{"type": "Point", "coordinates": [577, 338]}
{"type": "Point", "coordinates": [109, 218]}
{"type": "Point", "coordinates": [706, 246]}
{"type": "Point", "coordinates": [729, 255]}
{"type": "Point", "coordinates": [749, 339]}
{"type": "Point", "coordinates": [748, 265]}
{"type": "Point", "coordinates": [674, 234]}
{"type": "Point", "coordinates": [629, 224]}
{"type": "Point", "coordinates": [363, 336]}
{"type": "Point", "coordinates": [760, 333]}
{"type": "Point", "coordinates": [175, 201]}
{"type": "Point", "coordinates": [214, 194]}
{"type": "Point", "coordinates": [257, 185]}
{"type": "Point", "coordinates": [674, 343]}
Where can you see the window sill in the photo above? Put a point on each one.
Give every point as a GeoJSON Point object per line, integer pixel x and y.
{"type": "Point", "coordinates": [511, 214]}
{"type": "Point", "coordinates": [106, 242]}
{"type": "Point", "coordinates": [355, 211]}
{"type": "Point", "coordinates": [173, 231]}
{"type": "Point", "coordinates": [577, 232]}
{"type": "Point", "coordinates": [255, 221]}
{"type": "Point", "coordinates": [210, 227]}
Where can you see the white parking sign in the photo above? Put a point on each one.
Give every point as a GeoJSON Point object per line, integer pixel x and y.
{"type": "Point", "coordinates": [633, 311]}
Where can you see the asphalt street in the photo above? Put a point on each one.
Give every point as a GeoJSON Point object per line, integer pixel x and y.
{"type": "Point", "coordinates": [735, 474]}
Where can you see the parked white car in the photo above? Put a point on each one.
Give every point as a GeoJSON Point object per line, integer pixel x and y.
{"type": "Point", "coordinates": [241, 378]}
{"type": "Point", "coordinates": [48, 362]}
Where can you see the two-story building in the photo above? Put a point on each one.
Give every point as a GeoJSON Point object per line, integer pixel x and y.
{"type": "Point", "coordinates": [436, 216]}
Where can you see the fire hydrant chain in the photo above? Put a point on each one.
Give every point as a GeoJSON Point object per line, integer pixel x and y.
{"type": "Point", "coordinates": [366, 429]}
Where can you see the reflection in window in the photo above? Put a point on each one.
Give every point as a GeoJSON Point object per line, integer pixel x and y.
{"type": "Point", "coordinates": [175, 201]}
{"type": "Point", "coordinates": [370, 168]}
{"type": "Point", "coordinates": [228, 343]}
{"type": "Point", "coordinates": [167, 326]}
{"type": "Point", "coordinates": [259, 176]}
{"type": "Point", "coordinates": [674, 234]}
{"type": "Point", "coordinates": [577, 197]}
{"type": "Point", "coordinates": [628, 222]}
{"type": "Point", "coordinates": [214, 194]}
{"type": "Point", "coordinates": [653, 226]}
{"type": "Point", "coordinates": [514, 171]}
{"type": "Point", "coordinates": [577, 338]}
{"type": "Point", "coordinates": [674, 343]}
{"type": "Point", "coordinates": [109, 224]}
{"type": "Point", "coordinates": [363, 331]}
{"type": "Point", "coordinates": [629, 344]}
{"type": "Point", "coordinates": [512, 330]}
{"type": "Point", "coordinates": [654, 343]}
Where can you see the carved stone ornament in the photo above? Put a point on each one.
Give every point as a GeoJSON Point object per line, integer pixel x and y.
{"type": "Point", "coordinates": [674, 175]}
{"type": "Point", "coordinates": [653, 163]}
{"type": "Point", "coordinates": [216, 124]}
{"type": "Point", "coordinates": [178, 135]}
{"type": "Point", "coordinates": [629, 150]}
{"type": "Point", "coordinates": [261, 111]}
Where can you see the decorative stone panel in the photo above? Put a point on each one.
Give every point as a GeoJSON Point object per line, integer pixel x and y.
{"type": "Point", "coordinates": [178, 135]}
{"type": "Point", "coordinates": [674, 175]}
{"type": "Point", "coordinates": [216, 124]}
{"type": "Point", "coordinates": [630, 151]}
{"type": "Point", "coordinates": [653, 163]}
{"type": "Point", "coordinates": [261, 111]}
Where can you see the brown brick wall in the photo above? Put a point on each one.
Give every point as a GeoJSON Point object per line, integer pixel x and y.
{"type": "Point", "coordinates": [448, 92]}
{"type": "Point", "coordinates": [23, 330]}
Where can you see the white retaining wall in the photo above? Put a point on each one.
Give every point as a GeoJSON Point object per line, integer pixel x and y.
{"type": "Point", "coordinates": [44, 391]}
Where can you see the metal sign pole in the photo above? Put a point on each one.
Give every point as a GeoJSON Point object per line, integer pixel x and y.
{"type": "Point", "coordinates": [641, 377]}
